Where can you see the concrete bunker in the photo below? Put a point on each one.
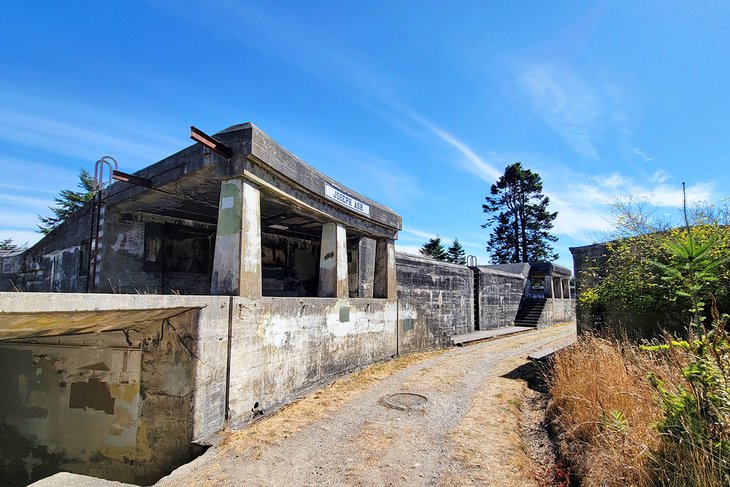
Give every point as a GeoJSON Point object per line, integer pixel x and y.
{"type": "Point", "coordinates": [258, 223]}
{"type": "Point", "coordinates": [238, 282]}
{"type": "Point", "coordinates": [294, 283]}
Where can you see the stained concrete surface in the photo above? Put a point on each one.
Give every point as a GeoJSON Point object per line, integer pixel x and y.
{"type": "Point", "coordinates": [99, 403]}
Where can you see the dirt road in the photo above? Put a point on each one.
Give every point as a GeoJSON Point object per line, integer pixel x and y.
{"type": "Point", "coordinates": [467, 433]}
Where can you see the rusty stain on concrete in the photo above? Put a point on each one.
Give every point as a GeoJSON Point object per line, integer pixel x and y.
{"type": "Point", "coordinates": [93, 394]}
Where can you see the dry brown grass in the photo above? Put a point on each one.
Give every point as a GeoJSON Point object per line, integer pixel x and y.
{"type": "Point", "coordinates": [605, 411]}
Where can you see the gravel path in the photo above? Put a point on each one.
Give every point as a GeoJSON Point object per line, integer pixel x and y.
{"type": "Point", "coordinates": [345, 435]}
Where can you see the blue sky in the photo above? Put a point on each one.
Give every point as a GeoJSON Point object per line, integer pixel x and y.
{"type": "Point", "coordinates": [418, 105]}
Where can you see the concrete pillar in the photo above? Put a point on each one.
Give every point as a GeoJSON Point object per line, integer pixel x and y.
{"type": "Point", "coordinates": [333, 262]}
{"type": "Point", "coordinates": [353, 268]}
{"type": "Point", "coordinates": [366, 267]}
{"type": "Point", "coordinates": [549, 291]}
{"type": "Point", "coordinates": [237, 256]}
{"type": "Point", "coordinates": [558, 288]}
{"type": "Point", "coordinates": [384, 283]}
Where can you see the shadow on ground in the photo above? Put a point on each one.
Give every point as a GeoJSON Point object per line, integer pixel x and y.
{"type": "Point", "coordinates": [533, 373]}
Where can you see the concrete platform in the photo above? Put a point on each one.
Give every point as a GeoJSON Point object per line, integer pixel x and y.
{"type": "Point", "coordinates": [460, 340]}
{"type": "Point", "coordinates": [544, 353]}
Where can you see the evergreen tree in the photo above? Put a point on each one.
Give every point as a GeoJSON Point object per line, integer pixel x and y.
{"type": "Point", "coordinates": [68, 202]}
{"type": "Point", "coordinates": [456, 253]}
{"type": "Point", "coordinates": [7, 244]}
{"type": "Point", "coordinates": [434, 249]}
{"type": "Point", "coordinates": [519, 218]}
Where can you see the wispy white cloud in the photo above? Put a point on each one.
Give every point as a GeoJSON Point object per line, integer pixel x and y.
{"type": "Point", "coordinates": [613, 180]}
{"type": "Point", "coordinates": [471, 161]}
{"type": "Point", "coordinates": [66, 137]}
{"type": "Point", "coordinates": [411, 233]}
{"type": "Point", "coordinates": [327, 58]}
{"type": "Point", "coordinates": [578, 219]}
{"type": "Point", "coordinates": [17, 218]}
{"type": "Point", "coordinates": [407, 249]}
{"type": "Point", "coordinates": [20, 237]}
{"type": "Point", "coordinates": [25, 189]}
{"type": "Point", "coordinates": [565, 102]}
{"type": "Point", "coordinates": [659, 177]}
{"type": "Point", "coordinates": [584, 209]}
{"type": "Point", "coordinates": [641, 154]}
{"type": "Point", "coordinates": [24, 201]}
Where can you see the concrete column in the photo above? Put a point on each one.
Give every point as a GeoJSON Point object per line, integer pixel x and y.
{"type": "Point", "coordinates": [333, 262]}
{"type": "Point", "coordinates": [549, 291]}
{"type": "Point", "coordinates": [366, 267]}
{"type": "Point", "coordinates": [237, 256]}
{"type": "Point", "coordinates": [559, 291]}
{"type": "Point", "coordinates": [384, 283]}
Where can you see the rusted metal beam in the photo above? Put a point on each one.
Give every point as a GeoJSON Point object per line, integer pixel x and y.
{"type": "Point", "coordinates": [215, 145]}
{"type": "Point", "coordinates": [131, 179]}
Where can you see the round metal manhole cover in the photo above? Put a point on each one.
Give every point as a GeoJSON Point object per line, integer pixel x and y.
{"type": "Point", "coordinates": [405, 401]}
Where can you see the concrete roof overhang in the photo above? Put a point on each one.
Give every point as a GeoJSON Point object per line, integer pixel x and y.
{"type": "Point", "coordinates": [549, 269]}
{"type": "Point", "coordinates": [186, 185]}
{"type": "Point", "coordinates": [36, 324]}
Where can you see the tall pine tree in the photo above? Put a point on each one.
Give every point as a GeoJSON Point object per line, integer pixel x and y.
{"type": "Point", "coordinates": [456, 253]}
{"type": "Point", "coordinates": [519, 218]}
{"type": "Point", "coordinates": [68, 202]}
{"type": "Point", "coordinates": [434, 249]}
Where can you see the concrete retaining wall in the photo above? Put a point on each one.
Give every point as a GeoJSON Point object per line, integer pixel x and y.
{"type": "Point", "coordinates": [499, 297]}
{"type": "Point", "coordinates": [283, 346]}
{"type": "Point", "coordinates": [149, 254]}
{"type": "Point", "coordinates": [55, 264]}
{"type": "Point", "coordinates": [435, 302]}
{"type": "Point", "coordinates": [557, 311]}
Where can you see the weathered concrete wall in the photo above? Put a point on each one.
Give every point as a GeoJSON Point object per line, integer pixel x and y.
{"type": "Point", "coordinates": [499, 297]}
{"type": "Point", "coordinates": [150, 254]}
{"type": "Point", "coordinates": [283, 346]}
{"type": "Point", "coordinates": [123, 405]}
{"type": "Point", "coordinates": [435, 302]}
{"type": "Point", "coordinates": [557, 311]}
{"type": "Point", "coordinates": [66, 404]}
{"type": "Point", "coordinates": [133, 258]}
{"type": "Point", "coordinates": [290, 266]}
{"type": "Point", "coordinates": [589, 266]}
{"type": "Point", "coordinates": [57, 263]}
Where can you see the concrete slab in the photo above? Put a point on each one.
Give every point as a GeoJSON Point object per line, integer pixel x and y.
{"type": "Point", "coordinates": [544, 353]}
{"type": "Point", "coordinates": [487, 334]}
{"type": "Point", "coordinates": [45, 324]}
{"type": "Point", "coordinates": [65, 479]}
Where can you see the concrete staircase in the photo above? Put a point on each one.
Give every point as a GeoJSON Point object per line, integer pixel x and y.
{"type": "Point", "coordinates": [530, 312]}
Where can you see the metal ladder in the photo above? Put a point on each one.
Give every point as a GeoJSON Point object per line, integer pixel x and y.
{"type": "Point", "coordinates": [97, 216]}
{"type": "Point", "coordinates": [471, 262]}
